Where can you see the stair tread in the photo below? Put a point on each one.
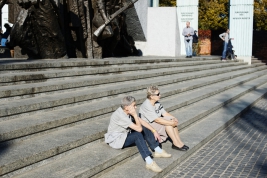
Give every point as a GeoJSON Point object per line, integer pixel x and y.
{"type": "Point", "coordinates": [48, 145]}
{"type": "Point", "coordinates": [5, 89]}
{"type": "Point", "coordinates": [35, 88]}
{"type": "Point", "coordinates": [54, 113]}
{"type": "Point", "coordinates": [18, 64]}
{"type": "Point", "coordinates": [31, 104]}
{"type": "Point", "coordinates": [41, 76]}
{"type": "Point", "coordinates": [94, 70]}
{"type": "Point", "coordinates": [90, 161]}
{"type": "Point", "coordinates": [194, 137]}
{"type": "Point", "coordinates": [38, 122]}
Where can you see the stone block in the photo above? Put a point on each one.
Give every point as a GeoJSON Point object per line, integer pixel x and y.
{"type": "Point", "coordinates": [163, 33]}
{"type": "Point", "coordinates": [17, 53]}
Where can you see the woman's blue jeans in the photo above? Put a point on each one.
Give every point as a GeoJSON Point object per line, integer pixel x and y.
{"type": "Point", "coordinates": [139, 138]}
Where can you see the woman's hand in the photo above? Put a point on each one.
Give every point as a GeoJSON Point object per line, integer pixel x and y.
{"type": "Point", "coordinates": [174, 122]}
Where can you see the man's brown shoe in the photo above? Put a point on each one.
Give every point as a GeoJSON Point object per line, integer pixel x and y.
{"type": "Point", "coordinates": [164, 154]}
{"type": "Point", "coordinates": [153, 167]}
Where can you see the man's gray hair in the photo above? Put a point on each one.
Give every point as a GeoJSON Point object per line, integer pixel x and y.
{"type": "Point", "coordinates": [151, 90]}
{"type": "Point", "coordinates": [127, 101]}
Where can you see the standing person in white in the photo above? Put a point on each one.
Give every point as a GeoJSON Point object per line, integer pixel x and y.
{"type": "Point", "coordinates": [188, 33]}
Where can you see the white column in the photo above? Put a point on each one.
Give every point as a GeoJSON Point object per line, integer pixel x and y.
{"type": "Point", "coordinates": [155, 3]}
{"type": "Point", "coordinates": [241, 28]}
{"type": "Point", "coordinates": [187, 10]}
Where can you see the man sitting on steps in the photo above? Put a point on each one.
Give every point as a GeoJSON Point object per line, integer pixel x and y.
{"type": "Point", "coordinates": [126, 129]}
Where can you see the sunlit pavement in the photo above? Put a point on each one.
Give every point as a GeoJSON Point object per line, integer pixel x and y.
{"type": "Point", "coordinates": [238, 151]}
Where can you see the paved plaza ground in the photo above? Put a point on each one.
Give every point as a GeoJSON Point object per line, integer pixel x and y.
{"type": "Point", "coordinates": [238, 151]}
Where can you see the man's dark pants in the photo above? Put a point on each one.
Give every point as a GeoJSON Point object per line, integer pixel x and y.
{"type": "Point", "coordinates": [138, 138]}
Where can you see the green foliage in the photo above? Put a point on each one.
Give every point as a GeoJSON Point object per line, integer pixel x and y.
{"type": "Point", "coordinates": [260, 15]}
{"type": "Point", "coordinates": [213, 14]}
{"type": "Point", "coordinates": [167, 3]}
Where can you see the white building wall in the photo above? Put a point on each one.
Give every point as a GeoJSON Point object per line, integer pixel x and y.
{"type": "Point", "coordinates": [241, 28]}
{"type": "Point", "coordinates": [187, 10]}
{"type": "Point", "coordinates": [163, 33]}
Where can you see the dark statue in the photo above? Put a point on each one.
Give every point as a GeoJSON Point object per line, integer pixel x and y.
{"type": "Point", "coordinates": [71, 28]}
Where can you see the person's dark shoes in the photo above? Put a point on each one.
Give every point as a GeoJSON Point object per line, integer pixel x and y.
{"type": "Point", "coordinates": [186, 147]}
{"type": "Point", "coordinates": [187, 57]}
{"type": "Point", "coordinates": [178, 148]}
{"type": "Point", "coordinates": [190, 56]}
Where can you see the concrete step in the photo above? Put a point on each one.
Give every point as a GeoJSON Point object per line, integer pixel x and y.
{"type": "Point", "coordinates": [67, 111]}
{"type": "Point", "coordinates": [14, 107]}
{"type": "Point", "coordinates": [60, 73]}
{"type": "Point", "coordinates": [100, 158]}
{"type": "Point", "coordinates": [52, 144]}
{"type": "Point", "coordinates": [31, 78]}
{"type": "Point", "coordinates": [50, 87]}
{"type": "Point", "coordinates": [27, 125]}
{"type": "Point", "coordinates": [256, 61]}
{"type": "Point", "coordinates": [259, 61]}
{"type": "Point", "coordinates": [74, 63]}
{"type": "Point", "coordinates": [196, 136]}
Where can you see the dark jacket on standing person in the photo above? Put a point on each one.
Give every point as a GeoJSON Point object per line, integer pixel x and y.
{"type": "Point", "coordinates": [195, 38]}
{"type": "Point", "coordinates": [7, 32]}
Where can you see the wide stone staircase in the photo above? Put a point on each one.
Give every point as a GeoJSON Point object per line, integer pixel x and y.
{"type": "Point", "coordinates": [54, 113]}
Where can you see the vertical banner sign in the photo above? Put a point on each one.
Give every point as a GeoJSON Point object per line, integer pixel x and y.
{"type": "Point", "coordinates": [241, 28]}
{"type": "Point", "coordinates": [187, 10]}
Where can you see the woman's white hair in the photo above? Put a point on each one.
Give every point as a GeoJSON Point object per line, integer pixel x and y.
{"type": "Point", "coordinates": [127, 101]}
{"type": "Point", "coordinates": [151, 90]}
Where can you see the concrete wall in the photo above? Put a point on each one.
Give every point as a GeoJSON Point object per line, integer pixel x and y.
{"type": "Point", "coordinates": [163, 33]}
